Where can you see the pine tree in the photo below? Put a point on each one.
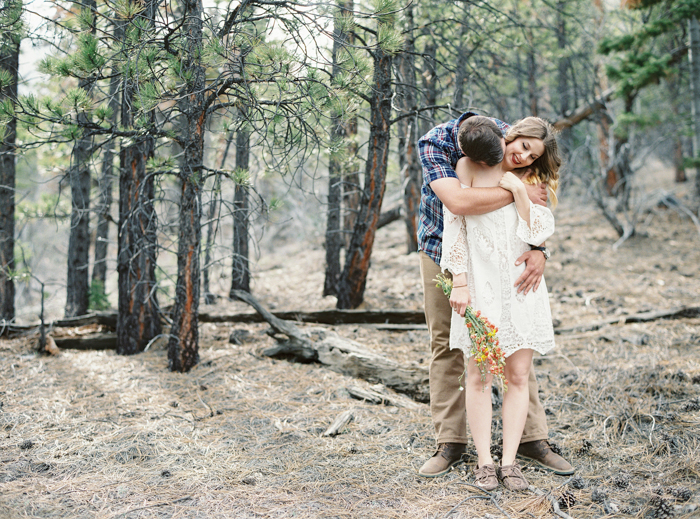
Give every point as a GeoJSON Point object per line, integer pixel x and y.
{"type": "Point", "coordinates": [354, 276]}
{"type": "Point", "coordinates": [10, 36]}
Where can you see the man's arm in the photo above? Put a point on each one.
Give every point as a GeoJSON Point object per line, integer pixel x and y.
{"type": "Point", "coordinates": [480, 200]}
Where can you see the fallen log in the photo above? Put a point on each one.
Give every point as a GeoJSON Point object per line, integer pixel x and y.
{"type": "Point", "coordinates": [673, 313]}
{"type": "Point", "coordinates": [381, 397]}
{"type": "Point", "coordinates": [97, 341]}
{"type": "Point", "coordinates": [399, 317]}
{"type": "Point", "coordinates": [339, 354]}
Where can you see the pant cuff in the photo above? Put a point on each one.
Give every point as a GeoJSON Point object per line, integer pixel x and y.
{"type": "Point", "coordinates": [452, 440]}
{"type": "Point", "coordinates": [534, 437]}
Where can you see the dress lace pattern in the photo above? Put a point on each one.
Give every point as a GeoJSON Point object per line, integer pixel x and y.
{"type": "Point", "coordinates": [486, 247]}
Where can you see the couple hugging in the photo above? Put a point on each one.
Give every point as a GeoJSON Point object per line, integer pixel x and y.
{"type": "Point", "coordinates": [483, 222]}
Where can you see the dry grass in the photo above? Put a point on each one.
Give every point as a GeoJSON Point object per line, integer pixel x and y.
{"type": "Point", "coordinates": [93, 434]}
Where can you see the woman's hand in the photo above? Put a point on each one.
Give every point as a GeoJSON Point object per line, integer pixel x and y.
{"type": "Point", "coordinates": [460, 298]}
{"type": "Point", "coordinates": [511, 182]}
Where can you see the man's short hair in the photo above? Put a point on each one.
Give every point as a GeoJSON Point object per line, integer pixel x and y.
{"type": "Point", "coordinates": [481, 140]}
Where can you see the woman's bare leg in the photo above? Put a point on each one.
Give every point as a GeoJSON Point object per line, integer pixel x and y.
{"type": "Point", "coordinates": [515, 402]}
{"type": "Point", "coordinates": [479, 411]}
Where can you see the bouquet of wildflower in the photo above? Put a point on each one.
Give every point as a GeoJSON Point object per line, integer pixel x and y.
{"type": "Point", "coordinates": [485, 350]}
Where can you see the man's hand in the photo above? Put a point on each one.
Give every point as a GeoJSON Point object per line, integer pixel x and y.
{"type": "Point", "coordinates": [537, 193]}
{"type": "Point", "coordinates": [532, 275]}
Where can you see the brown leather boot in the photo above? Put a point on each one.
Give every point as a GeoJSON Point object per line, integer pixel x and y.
{"type": "Point", "coordinates": [541, 453]}
{"type": "Point", "coordinates": [446, 457]}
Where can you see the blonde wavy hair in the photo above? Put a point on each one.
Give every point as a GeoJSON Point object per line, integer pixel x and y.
{"type": "Point", "coordinates": [544, 169]}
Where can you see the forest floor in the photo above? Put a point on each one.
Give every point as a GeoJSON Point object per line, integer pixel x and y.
{"type": "Point", "coordinates": [94, 434]}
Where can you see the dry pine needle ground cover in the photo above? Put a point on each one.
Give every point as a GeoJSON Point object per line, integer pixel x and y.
{"type": "Point", "coordinates": [93, 434]}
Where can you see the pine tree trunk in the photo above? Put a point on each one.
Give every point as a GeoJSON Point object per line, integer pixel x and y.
{"type": "Point", "coordinates": [563, 78]}
{"type": "Point", "coordinates": [674, 86]}
{"type": "Point", "coordinates": [240, 271]}
{"type": "Point", "coordinates": [334, 235]}
{"type": "Point", "coordinates": [138, 314]}
{"type": "Point", "coordinates": [99, 269]}
{"type": "Point", "coordinates": [429, 84]}
{"type": "Point", "coordinates": [9, 61]}
{"type": "Point", "coordinates": [532, 77]}
{"type": "Point", "coordinates": [694, 57]}
{"type": "Point", "coordinates": [183, 347]}
{"type": "Point", "coordinates": [351, 188]}
{"type": "Point", "coordinates": [209, 298]}
{"type": "Point", "coordinates": [77, 282]}
{"type": "Point", "coordinates": [408, 132]}
{"type": "Point", "coordinates": [353, 280]}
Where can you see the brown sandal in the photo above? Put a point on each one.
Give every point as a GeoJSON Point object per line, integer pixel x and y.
{"type": "Point", "coordinates": [512, 477]}
{"type": "Point", "coordinates": [486, 477]}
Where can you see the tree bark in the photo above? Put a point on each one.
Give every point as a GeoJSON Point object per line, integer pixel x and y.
{"type": "Point", "coordinates": [209, 298]}
{"type": "Point", "coordinates": [532, 76]}
{"type": "Point", "coordinates": [9, 61]}
{"type": "Point", "coordinates": [99, 269]}
{"type": "Point", "coordinates": [354, 277]}
{"type": "Point", "coordinates": [694, 57]}
{"type": "Point", "coordinates": [429, 83]}
{"type": "Point", "coordinates": [334, 235]}
{"type": "Point", "coordinates": [138, 319]}
{"type": "Point", "coordinates": [240, 275]}
{"type": "Point", "coordinates": [563, 76]}
{"type": "Point", "coordinates": [408, 137]}
{"type": "Point", "coordinates": [77, 284]}
{"type": "Point", "coordinates": [584, 112]}
{"type": "Point", "coordinates": [183, 346]}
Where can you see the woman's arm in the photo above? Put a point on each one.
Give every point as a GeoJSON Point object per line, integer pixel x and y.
{"type": "Point", "coordinates": [454, 259]}
{"type": "Point", "coordinates": [522, 203]}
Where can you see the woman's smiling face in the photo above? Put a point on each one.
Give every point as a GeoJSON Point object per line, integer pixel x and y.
{"type": "Point", "coordinates": [522, 152]}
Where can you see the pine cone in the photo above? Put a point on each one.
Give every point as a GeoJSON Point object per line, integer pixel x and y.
{"type": "Point", "coordinates": [662, 509]}
{"type": "Point", "coordinates": [577, 482]}
{"type": "Point", "coordinates": [556, 449]}
{"type": "Point", "coordinates": [598, 495]}
{"type": "Point", "coordinates": [621, 480]}
{"type": "Point", "coordinates": [693, 405]}
{"type": "Point", "coordinates": [586, 447]}
{"type": "Point", "coordinates": [681, 493]}
{"type": "Point", "coordinates": [567, 499]}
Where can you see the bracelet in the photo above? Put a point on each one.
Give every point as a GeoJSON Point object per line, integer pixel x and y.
{"type": "Point", "coordinates": [459, 286]}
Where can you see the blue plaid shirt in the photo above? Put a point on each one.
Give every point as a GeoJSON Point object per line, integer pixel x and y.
{"type": "Point", "coordinates": [439, 153]}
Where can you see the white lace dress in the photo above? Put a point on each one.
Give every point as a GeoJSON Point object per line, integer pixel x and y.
{"type": "Point", "coordinates": [486, 247]}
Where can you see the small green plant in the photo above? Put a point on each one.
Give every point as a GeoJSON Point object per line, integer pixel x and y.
{"type": "Point", "coordinates": [98, 297]}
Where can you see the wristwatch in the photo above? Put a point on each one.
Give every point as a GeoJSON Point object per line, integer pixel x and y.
{"type": "Point", "coordinates": [543, 250]}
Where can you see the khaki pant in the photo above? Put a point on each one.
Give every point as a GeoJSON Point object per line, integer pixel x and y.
{"type": "Point", "coordinates": [447, 403]}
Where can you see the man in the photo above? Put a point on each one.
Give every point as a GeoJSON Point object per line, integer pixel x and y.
{"type": "Point", "coordinates": [439, 152]}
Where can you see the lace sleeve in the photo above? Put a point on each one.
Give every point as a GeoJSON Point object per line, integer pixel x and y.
{"type": "Point", "coordinates": [541, 225]}
{"type": "Point", "coordinates": [454, 243]}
